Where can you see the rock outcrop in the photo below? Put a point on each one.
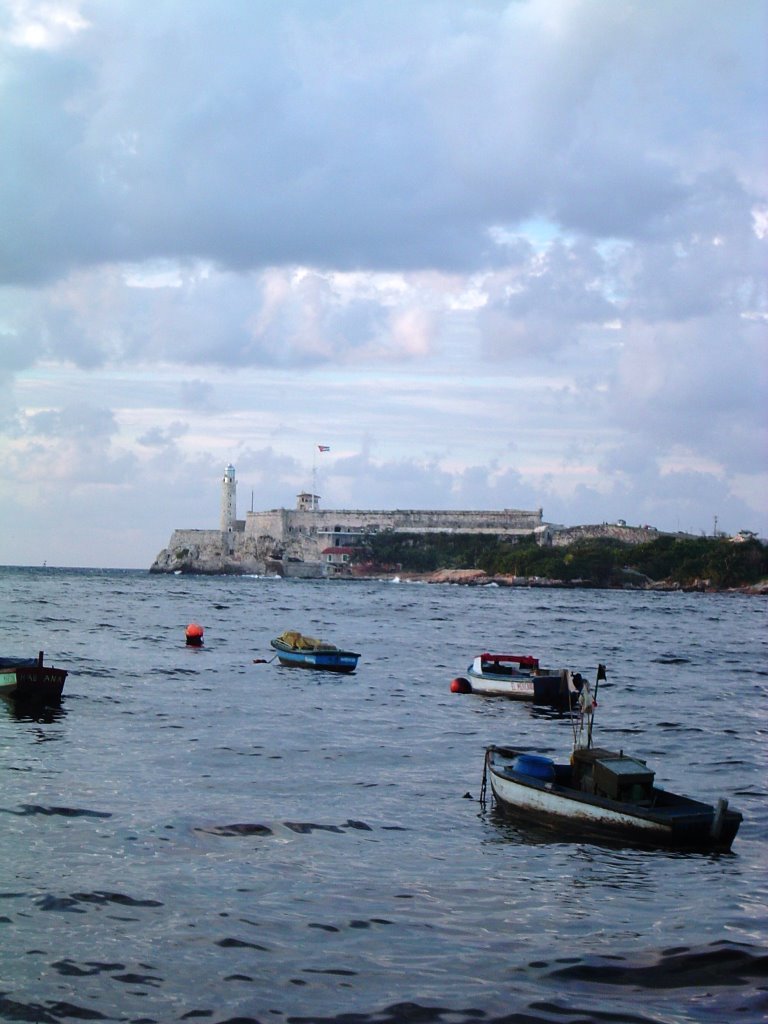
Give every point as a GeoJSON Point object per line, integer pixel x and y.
{"type": "Point", "coordinates": [215, 553]}
{"type": "Point", "coordinates": [207, 552]}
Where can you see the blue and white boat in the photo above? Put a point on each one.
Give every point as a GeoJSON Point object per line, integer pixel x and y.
{"type": "Point", "coordinates": [298, 651]}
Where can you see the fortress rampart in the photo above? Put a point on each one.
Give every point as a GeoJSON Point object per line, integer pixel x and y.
{"type": "Point", "coordinates": [286, 525]}
{"type": "Point", "coordinates": [627, 534]}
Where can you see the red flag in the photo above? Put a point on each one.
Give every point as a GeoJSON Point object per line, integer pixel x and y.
{"type": "Point", "coordinates": [324, 447]}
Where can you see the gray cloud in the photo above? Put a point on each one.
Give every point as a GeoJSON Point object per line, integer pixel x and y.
{"type": "Point", "coordinates": [88, 422]}
{"type": "Point", "coordinates": [363, 134]}
{"type": "Point", "coordinates": [157, 437]}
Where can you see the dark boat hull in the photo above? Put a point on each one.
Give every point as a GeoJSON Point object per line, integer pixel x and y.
{"type": "Point", "coordinates": [664, 820]}
{"type": "Point", "coordinates": [29, 680]}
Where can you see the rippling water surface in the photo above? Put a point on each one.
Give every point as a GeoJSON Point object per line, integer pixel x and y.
{"type": "Point", "coordinates": [195, 836]}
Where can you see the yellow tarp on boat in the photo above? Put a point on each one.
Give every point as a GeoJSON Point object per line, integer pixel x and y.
{"type": "Point", "coordinates": [300, 642]}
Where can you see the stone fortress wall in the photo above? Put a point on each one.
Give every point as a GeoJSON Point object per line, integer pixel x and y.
{"type": "Point", "coordinates": [305, 534]}
{"type": "Point", "coordinates": [564, 536]}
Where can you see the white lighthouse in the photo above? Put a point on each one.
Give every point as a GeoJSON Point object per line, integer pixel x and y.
{"type": "Point", "coordinates": [228, 501]}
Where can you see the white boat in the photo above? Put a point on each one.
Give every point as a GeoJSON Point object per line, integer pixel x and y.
{"type": "Point", "coordinates": [602, 794]}
{"type": "Point", "coordinates": [520, 677]}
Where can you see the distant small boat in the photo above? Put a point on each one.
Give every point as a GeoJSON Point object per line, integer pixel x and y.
{"type": "Point", "coordinates": [603, 794]}
{"type": "Point", "coordinates": [299, 651]}
{"type": "Point", "coordinates": [29, 679]}
{"type": "Point", "coordinates": [519, 677]}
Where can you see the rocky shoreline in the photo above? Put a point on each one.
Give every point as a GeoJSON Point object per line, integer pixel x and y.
{"type": "Point", "coordinates": [479, 578]}
{"type": "Point", "coordinates": [196, 565]}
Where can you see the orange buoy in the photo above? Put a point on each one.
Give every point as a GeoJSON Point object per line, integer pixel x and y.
{"type": "Point", "coordinates": [461, 685]}
{"type": "Point", "coordinates": [194, 635]}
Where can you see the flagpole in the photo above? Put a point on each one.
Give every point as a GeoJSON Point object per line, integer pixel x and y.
{"type": "Point", "coordinates": [317, 448]}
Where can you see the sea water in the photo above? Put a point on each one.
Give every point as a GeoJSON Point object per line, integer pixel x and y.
{"type": "Point", "coordinates": [201, 834]}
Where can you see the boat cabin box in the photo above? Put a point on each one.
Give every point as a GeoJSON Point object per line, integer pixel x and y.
{"type": "Point", "coordinates": [606, 773]}
{"type": "Point", "coordinates": [623, 778]}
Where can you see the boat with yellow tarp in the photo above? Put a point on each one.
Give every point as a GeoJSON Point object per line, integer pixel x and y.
{"type": "Point", "coordinates": [296, 650]}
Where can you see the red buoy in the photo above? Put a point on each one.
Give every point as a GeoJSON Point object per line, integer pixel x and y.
{"type": "Point", "coordinates": [194, 635]}
{"type": "Point", "coordinates": [461, 685]}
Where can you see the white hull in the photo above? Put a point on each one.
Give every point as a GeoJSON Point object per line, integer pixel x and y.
{"type": "Point", "coordinates": [608, 795]}
{"type": "Point", "coordinates": [540, 803]}
{"type": "Point", "coordinates": [494, 686]}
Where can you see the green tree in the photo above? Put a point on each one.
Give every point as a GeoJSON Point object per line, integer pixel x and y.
{"type": "Point", "coordinates": [601, 561]}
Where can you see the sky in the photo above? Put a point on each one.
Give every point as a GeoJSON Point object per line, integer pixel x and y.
{"type": "Point", "coordinates": [491, 254]}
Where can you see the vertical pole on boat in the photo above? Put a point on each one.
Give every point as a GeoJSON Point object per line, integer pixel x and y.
{"type": "Point", "coordinates": [718, 818]}
{"type": "Point", "coordinates": [570, 706]}
{"type": "Point", "coordinates": [600, 675]}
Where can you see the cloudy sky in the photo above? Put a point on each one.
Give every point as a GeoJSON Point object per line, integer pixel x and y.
{"type": "Point", "coordinates": [497, 254]}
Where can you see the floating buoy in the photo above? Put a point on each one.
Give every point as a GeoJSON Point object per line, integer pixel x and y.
{"type": "Point", "coordinates": [194, 635]}
{"type": "Point", "coordinates": [461, 685]}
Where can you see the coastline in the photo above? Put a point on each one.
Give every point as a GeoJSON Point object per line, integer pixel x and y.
{"type": "Point", "coordinates": [479, 578]}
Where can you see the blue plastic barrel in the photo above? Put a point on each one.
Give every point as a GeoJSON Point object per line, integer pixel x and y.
{"type": "Point", "coordinates": [535, 765]}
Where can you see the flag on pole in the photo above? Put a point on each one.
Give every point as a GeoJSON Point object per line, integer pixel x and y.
{"type": "Point", "coordinates": [323, 447]}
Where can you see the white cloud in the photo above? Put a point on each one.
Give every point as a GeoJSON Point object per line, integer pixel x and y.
{"type": "Point", "coordinates": [42, 24]}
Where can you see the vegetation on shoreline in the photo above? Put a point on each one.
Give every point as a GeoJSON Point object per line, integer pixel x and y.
{"type": "Point", "coordinates": [602, 561]}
